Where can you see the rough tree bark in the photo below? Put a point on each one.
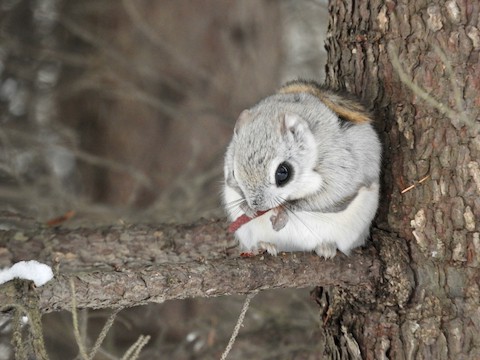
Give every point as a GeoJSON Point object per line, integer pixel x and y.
{"type": "Point", "coordinates": [123, 266]}
{"type": "Point", "coordinates": [438, 45]}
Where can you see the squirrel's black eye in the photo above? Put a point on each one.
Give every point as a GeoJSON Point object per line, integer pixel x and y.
{"type": "Point", "coordinates": [283, 174]}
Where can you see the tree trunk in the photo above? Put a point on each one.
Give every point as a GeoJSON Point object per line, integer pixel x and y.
{"type": "Point", "coordinates": [432, 142]}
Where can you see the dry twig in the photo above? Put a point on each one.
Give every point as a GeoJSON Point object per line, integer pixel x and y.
{"type": "Point", "coordinates": [239, 323]}
{"type": "Point", "coordinates": [415, 185]}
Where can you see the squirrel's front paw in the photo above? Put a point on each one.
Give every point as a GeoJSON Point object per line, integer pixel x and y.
{"type": "Point", "coordinates": [268, 247]}
{"type": "Point", "coordinates": [279, 218]}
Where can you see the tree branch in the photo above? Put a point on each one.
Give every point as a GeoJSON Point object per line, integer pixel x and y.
{"type": "Point", "coordinates": [121, 266]}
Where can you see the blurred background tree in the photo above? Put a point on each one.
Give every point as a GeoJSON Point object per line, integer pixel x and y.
{"type": "Point", "coordinates": [124, 108]}
{"type": "Point", "coordinates": [121, 111]}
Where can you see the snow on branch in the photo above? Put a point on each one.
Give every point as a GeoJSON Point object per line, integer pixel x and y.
{"type": "Point", "coordinates": [32, 270]}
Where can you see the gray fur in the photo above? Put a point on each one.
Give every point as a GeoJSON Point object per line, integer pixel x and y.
{"type": "Point", "coordinates": [347, 157]}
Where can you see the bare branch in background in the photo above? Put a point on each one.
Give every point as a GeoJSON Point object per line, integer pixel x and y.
{"type": "Point", "coordinates": [152, 35]}
{"type": "Point", "coordinates": [92, 159]}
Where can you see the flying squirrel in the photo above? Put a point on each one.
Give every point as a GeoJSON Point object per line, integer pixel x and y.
{"type": "Point", "coordinates": [302, 172]}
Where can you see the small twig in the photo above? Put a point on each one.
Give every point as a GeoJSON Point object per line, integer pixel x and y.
{"type": "Point", "coordinates": [35, 321]}
{"type": "Point", "coordinates": [84, 156]}
{"type": "Point", "coordinates": [134, 350]}
{"type": "Point", "coordinates": [17, 338]}
{"type": "Point", "coordinates": [83, 317]}
{"type": "Point", "coordinates": [414, 185]}
{"type": "Point", "coordinates": [239, 323]}
{"type": "Point", "coordinates": [103, 333]}
{"type": "Point", "coordinates": [152, 35]}
{"type": "Point", "coordinates": [76, 331]}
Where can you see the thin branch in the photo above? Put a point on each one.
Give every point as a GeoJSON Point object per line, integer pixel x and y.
{"type": "Point", "coordinates": [115, 55]}
{"type": "Point", "coordinates": [134, 350]}
{"type": "Point", "coordinates": [239, 323]}
{"type": "Point", "coordinates": [415, 185]}
{"type": "Point", "coordinates": [123, 266]}
{"type": "Point", "coordinates": [17, 337]}
{"type": "Point", "coordinates": [103, 333]}
{"type": "Point", "coordinates": [76, 331]}
{"type": "Point", "coordinates": [152, 35]}
{"type": "Point", "coordinates": [81, 155]}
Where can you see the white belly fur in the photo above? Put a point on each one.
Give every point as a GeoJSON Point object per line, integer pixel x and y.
{"type": "Point", "coordinates": [307, 231]}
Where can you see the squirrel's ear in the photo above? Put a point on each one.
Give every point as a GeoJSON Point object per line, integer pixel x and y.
{"type": "Point", "coordinates": [293, 124]}
{"type": "Point", "coordinates": [244, 118]}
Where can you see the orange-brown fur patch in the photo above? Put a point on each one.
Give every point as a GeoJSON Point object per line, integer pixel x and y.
{"type": "Point", "coordinates": [346, 108]}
